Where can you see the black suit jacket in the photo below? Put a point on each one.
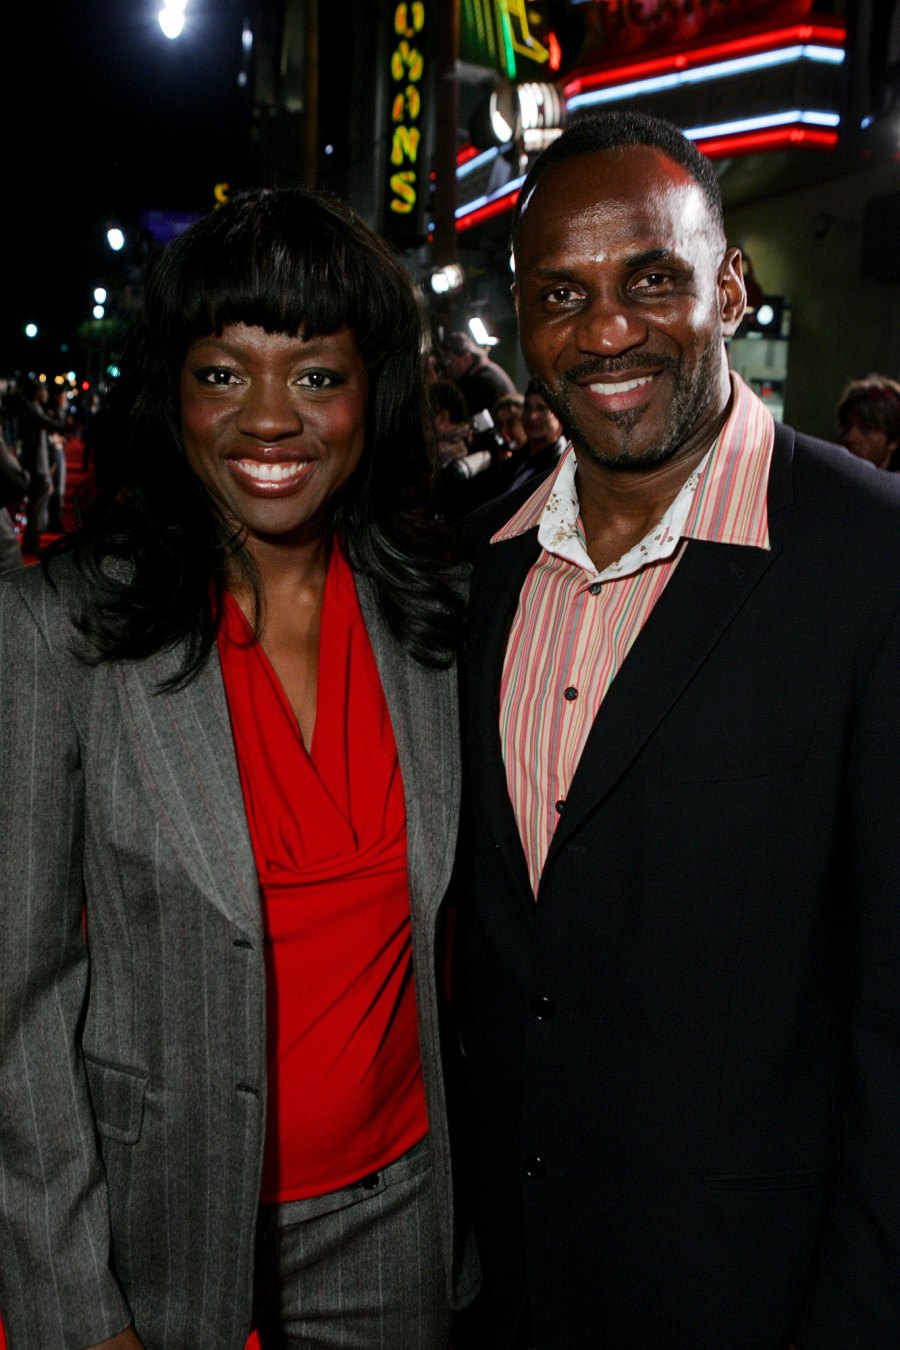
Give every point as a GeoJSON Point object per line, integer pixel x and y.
{"type": "Point", "coordinates": [684, 1060]}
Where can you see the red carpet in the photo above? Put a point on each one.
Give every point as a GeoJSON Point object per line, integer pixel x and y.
{"type": "Point", "coordinates": [76, 482]}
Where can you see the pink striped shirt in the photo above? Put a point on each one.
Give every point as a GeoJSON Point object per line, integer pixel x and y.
{"type": "Point", "coordinates": [574, 626]}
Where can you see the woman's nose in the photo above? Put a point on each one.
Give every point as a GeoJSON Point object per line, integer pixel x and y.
{"type": "Point", "coordinates": [269, 410]}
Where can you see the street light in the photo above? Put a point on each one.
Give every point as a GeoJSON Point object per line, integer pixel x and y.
{"type": "Point", "coordinates": [115, 238]}
{"type": "Point", "coordinates": [171, 18]}
{"type": "Point", "coordinates": [99, 311]}
{"type": "Point", "coordinates": [31, 330]}
{"type": "Point", "coordinates": [100, 295]}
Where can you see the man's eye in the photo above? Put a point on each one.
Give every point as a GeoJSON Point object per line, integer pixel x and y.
{"type": "Point", "coordinates": [652, 281]}
{"type": "Point", "coordinates": [560, 295]}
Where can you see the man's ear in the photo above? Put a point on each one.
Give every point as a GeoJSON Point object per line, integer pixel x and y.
{"type": "Point", "coordinates": [732, 293]}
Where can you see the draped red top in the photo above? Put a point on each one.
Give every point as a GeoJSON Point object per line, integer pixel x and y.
{"type": "Point", "coordinates": [328, 829]}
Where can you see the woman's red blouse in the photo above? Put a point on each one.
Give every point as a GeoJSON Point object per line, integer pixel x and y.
{"type": "Point", "coordinates": [328, 828]}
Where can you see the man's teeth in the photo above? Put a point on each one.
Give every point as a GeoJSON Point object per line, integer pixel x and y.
{"type": "Point", "coordinates": [623, 387]}
{"type": "Point", "coordinates": [271, 473]}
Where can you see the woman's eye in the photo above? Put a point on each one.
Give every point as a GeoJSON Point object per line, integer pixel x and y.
{"type": "Point", "coordinates": [318, 379]}
{"type": "Point", "coordinates": [218, 376]}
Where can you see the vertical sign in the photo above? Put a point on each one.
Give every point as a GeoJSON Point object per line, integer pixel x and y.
{"type": "Point", "coordinates": [407, 177]}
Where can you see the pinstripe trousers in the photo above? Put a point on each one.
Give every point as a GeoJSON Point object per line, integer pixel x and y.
{"type": "Point", "coordinates": [359, 1268]}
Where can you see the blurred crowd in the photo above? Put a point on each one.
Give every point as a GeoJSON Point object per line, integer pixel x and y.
{"type": "Point", "coordinates": [491, 439]}
{"type": "Point", "coordinates": [45, 433]}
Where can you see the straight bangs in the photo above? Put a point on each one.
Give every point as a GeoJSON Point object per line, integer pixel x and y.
{"type": "Point", "coordinates": [287, 263]}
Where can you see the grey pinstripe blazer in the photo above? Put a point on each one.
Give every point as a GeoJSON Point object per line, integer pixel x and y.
{"type": "Point", "coordinates": [132, 1084]}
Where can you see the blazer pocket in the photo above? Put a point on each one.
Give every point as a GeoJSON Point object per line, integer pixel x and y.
{"type": "Point", "coordinates": [117, 1097]}
{"type": "Point", "coordinates": [770, 1181]}
{"type": "Point", "coordinates": [737, 761]}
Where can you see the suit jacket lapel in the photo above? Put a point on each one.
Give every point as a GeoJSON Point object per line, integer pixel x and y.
{"type": "Point", "coordinates": [425, 719]}
{"type": "Point", "coordinates": [706, 592]}
{"type": "Point", "coordinates": [184, 747]}
{"type": "Point", "coordinates": [492, 607]}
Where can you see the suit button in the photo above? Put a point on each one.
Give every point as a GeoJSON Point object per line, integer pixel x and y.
{"type": "Point", "coordinates": [543, 1008]}
{"type": "Point", "coordinates": [534, 1166]}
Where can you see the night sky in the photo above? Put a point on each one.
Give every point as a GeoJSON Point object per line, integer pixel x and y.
{"type": "Point", "coordinates": [104, 117]}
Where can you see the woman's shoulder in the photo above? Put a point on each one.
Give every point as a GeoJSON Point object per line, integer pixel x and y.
{"type": "Point", "coordinates": [53, 595]}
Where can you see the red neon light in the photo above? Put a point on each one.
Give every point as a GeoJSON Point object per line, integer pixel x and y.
{"type": "Point", "coordinates": [465, 154]}
{"type": "Point", "coordinates": [494, 208]}
{"type": "Point", "coordinates": [701, 56]}
{"type": "Point", "coordinates": [748, 141]}
{"type": "Point", "coordinates": [744, 143]}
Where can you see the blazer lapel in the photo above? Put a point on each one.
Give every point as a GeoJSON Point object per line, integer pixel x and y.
{"type": "Point", "coordinates": [183, 745]}
{"type": "Point", "coordinates": [492, 606]}
{"type": "Point", "coordinates": [707, 589]}
{"type": "Point", "coordinates": [425, 718]}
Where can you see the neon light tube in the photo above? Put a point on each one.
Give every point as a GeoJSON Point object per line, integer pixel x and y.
{"type": "Point", "coordinates": [829, 39]}
{"type": "Point", "coordinates": [820, 119]}
{"type": "Point", "coordinates": [696, 74]}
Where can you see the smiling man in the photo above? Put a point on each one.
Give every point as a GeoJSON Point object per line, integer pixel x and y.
{"type": "Point", "coordinates": [678, 966]}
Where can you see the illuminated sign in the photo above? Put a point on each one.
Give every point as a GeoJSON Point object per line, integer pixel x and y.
{"type": "Point", "coordinates": [512, 36]}
{"type": "Point", "coordinates": [615, 28]}
{"type": "Point", "coordinates": [407, 169]}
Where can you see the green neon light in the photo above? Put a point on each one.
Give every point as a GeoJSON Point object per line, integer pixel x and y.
{"type": "Point", "coordinates": [506, 32]}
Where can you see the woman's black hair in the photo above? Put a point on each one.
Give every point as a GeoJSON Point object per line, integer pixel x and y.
{"type": "Point", "coordinates": [287, 261]}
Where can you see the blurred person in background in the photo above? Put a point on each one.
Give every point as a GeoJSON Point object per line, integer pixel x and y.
{"type": "Point", "coordinates": [507, 415]}
{"type": "Point", "coordinates": [868, 417]}
{"type": "Point", "coordinates": [13, 485]}
{"type": "Point", "coordinates": [58, 407]}
{"type": "Point", "coordinates": [544, 440]}
{"type": "Point", "coordinates": [223, 873]}
{"type": "Point", "coordinates": [481, 380]}
{"type": "Point", "coordinates": [36, 426]}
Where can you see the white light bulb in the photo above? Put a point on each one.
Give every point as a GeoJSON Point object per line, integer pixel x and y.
{"type": "Point", "coordinates": [171, 23]}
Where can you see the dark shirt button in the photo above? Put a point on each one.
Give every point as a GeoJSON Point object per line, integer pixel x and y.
{"type": "Point", "coordinates": [571, 693]}
{"type": "Point", "coordinates": [595, 587]}
{"type": "Point", "coordinates": [543, 1008]}
{"type": "Point", "coordinates": [559, 806]}
{"type": "Point", "coordinates": [369, 1183]}
{"type": "Point", "coordinates": [534, 1166]}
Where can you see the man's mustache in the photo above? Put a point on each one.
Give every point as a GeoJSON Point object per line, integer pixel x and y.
{"type": "Point", "coordinates": [613, 366]}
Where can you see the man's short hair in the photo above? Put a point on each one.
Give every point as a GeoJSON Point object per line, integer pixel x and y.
{"type": "Point", "coordinates": [873, 404]}
{"type": "Point", "coordinates": [598, 133]}
{"type": "Point", "coordinates": [514, 401]}
{"type": "Point", "coordinates": [460, 344]}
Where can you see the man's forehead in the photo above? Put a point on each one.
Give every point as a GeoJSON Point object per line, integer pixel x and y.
{"type": "Point", "coordinates": [635, 196]}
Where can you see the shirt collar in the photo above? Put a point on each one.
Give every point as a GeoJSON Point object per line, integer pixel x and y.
{"type": "Point", "coordinates": [722, 500]}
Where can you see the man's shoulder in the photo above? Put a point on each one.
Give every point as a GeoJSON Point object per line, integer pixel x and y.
{"type": "Point", "coordinates": [827, 480]}
{"type": "Point", "coordinates": [478, 528]}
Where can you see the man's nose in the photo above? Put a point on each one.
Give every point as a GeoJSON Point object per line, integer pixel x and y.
{"type": "Point", "coordinates": [609, 325]}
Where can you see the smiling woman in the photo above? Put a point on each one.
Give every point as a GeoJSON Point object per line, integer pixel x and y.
{"type": "Point", "coordinates": [247, 786]}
